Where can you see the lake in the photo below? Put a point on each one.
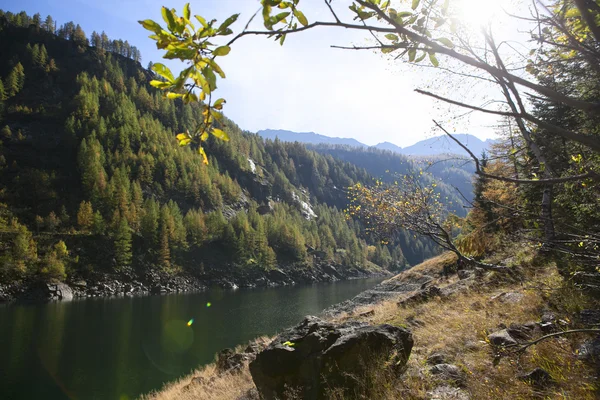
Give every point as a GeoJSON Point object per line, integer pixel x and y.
{"type": "Point", "coordinates": [120, 348]}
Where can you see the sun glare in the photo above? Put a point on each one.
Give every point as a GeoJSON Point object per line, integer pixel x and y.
{"type": "Point", "coordinates": [478, 12]}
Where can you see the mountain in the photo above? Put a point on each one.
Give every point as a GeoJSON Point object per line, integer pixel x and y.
{"type": "Point", "coordinates": [428, 147]}
{"type": "Point", "coordinates": [307, 137]}
{"type": "Point", "coordinates": [389, 146]}
{"type": "Point", "coordinates": [440, 145]}
{"type": "Point", "coordinates": [96, 186]}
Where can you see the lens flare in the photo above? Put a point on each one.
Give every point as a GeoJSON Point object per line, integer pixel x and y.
{"type": "Point", "coordinates": [208, 304]}
{"type": "Point", "coordinates": [190, 322]}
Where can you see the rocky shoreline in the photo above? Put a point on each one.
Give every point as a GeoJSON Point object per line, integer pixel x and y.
{"type": "Point", "coordinates": [156, 283]}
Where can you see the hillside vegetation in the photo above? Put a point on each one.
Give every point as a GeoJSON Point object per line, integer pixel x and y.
{"type": "Point", "coordinates": [95, 182]}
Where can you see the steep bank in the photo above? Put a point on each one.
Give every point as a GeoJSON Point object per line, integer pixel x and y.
{"type": "Point", "coordinates": [456, 324]}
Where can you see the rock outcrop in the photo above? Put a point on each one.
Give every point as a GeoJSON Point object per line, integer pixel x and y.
{"type": "Point", "coordinates": [316, 356]}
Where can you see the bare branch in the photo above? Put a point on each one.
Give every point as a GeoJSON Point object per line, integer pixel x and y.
{"type": "Point", "coordinates": [480, 172]}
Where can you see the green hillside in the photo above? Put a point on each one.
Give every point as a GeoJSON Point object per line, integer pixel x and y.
{"type": "Point", "coordinates": [93, 180]}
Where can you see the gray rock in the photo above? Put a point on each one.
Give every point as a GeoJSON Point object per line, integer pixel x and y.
{"type": "Point", "coordinates": [438, 358]}
{"type": "Point", "coordinates": [521, 332]}
{"type": "Point", "coordinates": [447, 393]}
{"type": "Point", "coordinates": [230, 361]}
{"type": "Point", "coordinates": [509, 298]}
{"type": "Point", "coordinates": [538, 377]}
{"type": "Point", "coordinates": [449, 372]}
{"type": "Point", "coordinates": [590, 351]}
{"type": "Point", "coordinates": [465, 273]}
{"type": "Point", "coordinates": [501, 338]}
{"type": "Point", "coordinates": [316, 356]}
{"type": "Point", "coordinates": [59, 291]}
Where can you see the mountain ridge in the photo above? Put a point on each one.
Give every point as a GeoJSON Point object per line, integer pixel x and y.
{"type": "Point", "coordinates": [426, 147]}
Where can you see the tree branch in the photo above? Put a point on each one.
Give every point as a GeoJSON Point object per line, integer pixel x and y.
{"type": "Point", "coordinates": [525, 345]}
{"type": "Point", "coordinates": [480, 172]}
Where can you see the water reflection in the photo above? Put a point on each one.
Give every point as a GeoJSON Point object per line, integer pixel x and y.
{"type": "Point", "coordinates": [120, 348]}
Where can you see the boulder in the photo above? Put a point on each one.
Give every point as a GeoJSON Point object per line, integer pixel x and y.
{"type": "Point", "coordinates": [59, 291]}
{"type": "Point", "coordinates": [502, 338]}
{"type": "Point", "coordinates": [449, 372]}
{"type": "Point", "coordinates": [521, 332]}
{"type": "Point", "coordinates": [315, 356]}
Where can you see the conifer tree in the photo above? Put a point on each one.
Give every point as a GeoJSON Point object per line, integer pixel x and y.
{"type": "Point", "coordinates": [49, 24]}
{"type": "Point", "coordinates": [122, 243]}
{"type": "Point", "coordinates": [85, 215]}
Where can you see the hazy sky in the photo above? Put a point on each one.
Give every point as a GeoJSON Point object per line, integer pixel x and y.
{"type": "Point", "coordinates": [304, 85]}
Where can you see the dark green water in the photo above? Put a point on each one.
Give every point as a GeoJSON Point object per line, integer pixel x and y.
{"type": "Point", "coordinates": [120, 348]}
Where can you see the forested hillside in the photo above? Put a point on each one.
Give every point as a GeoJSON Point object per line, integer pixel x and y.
{"type": "Point", "coordinates": [452, 174]}
{"type": "Point", "coordinates": [93, 180]}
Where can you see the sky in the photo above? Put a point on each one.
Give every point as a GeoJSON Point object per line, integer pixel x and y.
{"type": "Point", "coordinates": [303, 86]}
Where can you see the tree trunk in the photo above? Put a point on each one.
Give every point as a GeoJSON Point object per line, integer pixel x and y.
{"type": "Point", "coordinates": [546, 215]}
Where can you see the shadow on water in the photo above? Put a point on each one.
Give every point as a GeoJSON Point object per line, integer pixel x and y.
{"type": "Point", "coordinates": [119, 348]}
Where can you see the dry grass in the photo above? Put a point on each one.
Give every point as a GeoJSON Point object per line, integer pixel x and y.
{"type": "Point", "coordinates": [227, 386]}
{"type": "Point", "coordinates": [209, 384]}
{"type": "Point", "coordinates": [458, 327]}
{"type": "Point", "coordinates": [433, 267]}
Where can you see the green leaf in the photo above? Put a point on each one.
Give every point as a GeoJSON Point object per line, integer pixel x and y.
{"type": "Point", "coordinates": [169, 19]}
{"type": "Point", "coordinates": [412, 54]}
{"type": "Point", "coordinates": [163, 71]}
{"type": "Point", "coordinates": [228, 22]}
{"type": "Point", "coordinates": [420, 58]}
{"type": "Point", "coordinates": [415, 4]}
{"type": "Point", "coordinates": [210, 78]}
{"type": "Point", "coordinates": [201, 20]}
{"type": "Point", "coordinates": [220, 134]}
{"type": "Point", "coordinates": [186, 11]}
{"type": "Point", "coordinates": [221, 51]}
{"type": "Point", "coordinates": [281, 40]}
{"type": "Point", "coordinates": [433, 59]}
{"type": "Point", "coordinates": [281, 16]}
{"type": "Point", "coordinates": [446, 42]}
{"type": "Point", "coordinates": [301, 18]}
{"type": "Point", "coordinates": [151, 25]}
{"type": "Point", "coordinates": [392, 37]}
{"type": "Point", "coordinates": [219, 104]}
{"type": "Point", "coordinates": [173, 96]}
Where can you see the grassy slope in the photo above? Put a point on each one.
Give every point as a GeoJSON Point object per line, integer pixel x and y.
{"type": "Point", "coordinates": [458, 326]}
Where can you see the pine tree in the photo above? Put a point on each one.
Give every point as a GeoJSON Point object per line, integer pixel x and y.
{"type": "Point", "coordinates": [49, 24]}
{"type": "Point", "coordinates": [15, 80]}
{"type": "Point", "coordinates": [37, 20]}
{"type": "Point", "coordinates": [85, 215]}
{"type": "Point", "coordinates": [98, 224]}
{"type": "Point", "coordinates": [122, 244]}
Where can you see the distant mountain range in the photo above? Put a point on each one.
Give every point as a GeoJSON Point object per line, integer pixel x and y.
{"type": "Point", "coordinates": [308, 137]}
{"type": "Point", "coordinates": [427, 147]}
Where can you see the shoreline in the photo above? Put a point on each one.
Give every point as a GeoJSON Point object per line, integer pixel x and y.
{"type": "Point", "coordinates": [155, 283]}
